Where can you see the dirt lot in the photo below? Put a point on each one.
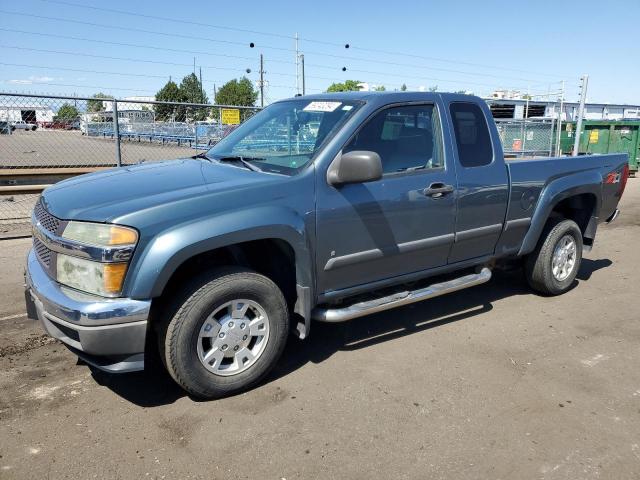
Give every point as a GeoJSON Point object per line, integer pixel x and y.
{"type": "Point", "coordinates": [54, 148]}
{"type": "Point", "coordinates": [492, 382]}
{"type": "Point", "coordinates": [48, 148]}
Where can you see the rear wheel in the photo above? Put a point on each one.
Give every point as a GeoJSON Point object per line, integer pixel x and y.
{"type": "Point", "coordinates": [227, 335]}
{"type": "Point", "coordinates": [552, 267]}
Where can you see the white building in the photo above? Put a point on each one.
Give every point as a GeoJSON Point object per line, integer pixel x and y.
{"type": "Point", "coordinates": [27, 113]}
{"type": "Point", "coordinates": [130, 103]}
{"type": "Point", "coordinates": [521, 108]}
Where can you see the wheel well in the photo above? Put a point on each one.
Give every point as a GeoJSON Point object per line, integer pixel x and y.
{"type": "Point", "coordinates": [578, 208]}
{"type": "Point", "coordinates": [273, 258]}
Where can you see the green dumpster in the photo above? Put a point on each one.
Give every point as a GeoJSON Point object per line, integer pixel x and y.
{"type": "Point", "coordinates": [604, 136]}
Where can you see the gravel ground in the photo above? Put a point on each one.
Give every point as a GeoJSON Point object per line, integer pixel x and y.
{"type": "Point", "coordinates": [491, 382]}
{"type": "Point", "coordinates": [54, 148]}
{"type": "Point", "coordinates": [49, 148]}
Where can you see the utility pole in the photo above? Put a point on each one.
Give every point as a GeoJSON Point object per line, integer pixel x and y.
{"type": "Point", "coordinates": [560, 114]}
{"type": "Point", "coordinates": [261, 81]}
{"type": "Point", "coordinates": [297, 66]}
{"type": "Point", "coordinates": [583, 97]}
{"type": "Point", "coordinates": [303, 81]}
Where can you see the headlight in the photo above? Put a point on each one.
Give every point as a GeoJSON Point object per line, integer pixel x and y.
{"type": "Point", "coordinates": [100, 234]}
{"type": "Point", "coordinates": [93, 277]}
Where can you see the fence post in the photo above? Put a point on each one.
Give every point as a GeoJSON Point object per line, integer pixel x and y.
{"type": "Point", "coordinates": [195, 133]}
{"type": "Point", "coordinates": [551, 135]}
{"type": "Point", "coordinates": [116, 132]}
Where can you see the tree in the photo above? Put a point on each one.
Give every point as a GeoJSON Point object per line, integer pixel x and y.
{"type": "Point", "coordinates": [97, 105]}
{"type": "Point", "coordinates": [237, 92]}
{"type": "Point", "coordinates": [434, 88]}
{"type": "Point", "coordinates": [380, 88]}
{"type": "Point", "coordinates": [347, 86]}
{"type": "Point", "coordinates": [403, 87]}
{"type": "Point", "coordinates": [169, 93]}
{"type": "Point", "coordinates": [191, 91]}
{"type": "Point", "coordinates": [66, 112]}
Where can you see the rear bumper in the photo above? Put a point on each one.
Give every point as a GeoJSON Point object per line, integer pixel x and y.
{"type": "Point", "coordinates": [108, 333]}
{"type": "Point", "coordinates": [613, 216]}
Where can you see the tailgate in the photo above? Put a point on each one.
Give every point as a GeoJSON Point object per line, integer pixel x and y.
{"type": "Point", "coordinates": [614, 179]}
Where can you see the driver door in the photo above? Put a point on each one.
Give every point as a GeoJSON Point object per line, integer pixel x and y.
{"type": "Point", "coordinates": [378, 230]}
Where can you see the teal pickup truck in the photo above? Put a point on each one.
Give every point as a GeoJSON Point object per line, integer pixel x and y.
{"type": "Point", "coordinates": [325, 208]}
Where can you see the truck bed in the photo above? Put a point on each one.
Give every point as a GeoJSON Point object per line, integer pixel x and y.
{"type": "Point", "coordinates": [531, 179]}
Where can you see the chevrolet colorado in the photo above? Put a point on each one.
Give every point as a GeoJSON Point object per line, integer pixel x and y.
{"type": "Point", "coordinates": [326, 207]}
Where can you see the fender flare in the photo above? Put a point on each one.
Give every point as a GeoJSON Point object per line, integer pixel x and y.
{"type": "Point", "coordinates": [588, 181]}
{"type": "Point", "coordinates": [158, 260]}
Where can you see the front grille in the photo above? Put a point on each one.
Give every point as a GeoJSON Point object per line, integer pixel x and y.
{"type": "Point", "coordinates": [42, 252]}
{"type": "Point", "coordinates": [48, 221]}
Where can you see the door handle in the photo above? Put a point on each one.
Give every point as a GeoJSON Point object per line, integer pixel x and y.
{"type": "Point", "coordinates": [437, 190]}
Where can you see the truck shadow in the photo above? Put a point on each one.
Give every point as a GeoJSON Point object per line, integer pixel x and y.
{"type": "Point", "coordinates": [154, 387]}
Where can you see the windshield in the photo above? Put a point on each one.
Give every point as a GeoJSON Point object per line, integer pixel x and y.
{"type": "Point", "coordinates": [285, 136]}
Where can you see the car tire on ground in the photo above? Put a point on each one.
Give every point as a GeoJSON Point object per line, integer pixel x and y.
{"type": "Point", "coordinates": [227, 334]}
{"type": "Point", "coordinates": [552, 267]}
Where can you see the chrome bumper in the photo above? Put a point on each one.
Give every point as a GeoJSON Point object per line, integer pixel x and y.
{"type": "Point", "coordinates": [108, 333]}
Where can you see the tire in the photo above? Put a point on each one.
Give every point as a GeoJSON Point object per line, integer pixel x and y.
{"type": "Point", "coordinates": [543, 275]}
{"type": "Point", "coordinates": [191, 334]}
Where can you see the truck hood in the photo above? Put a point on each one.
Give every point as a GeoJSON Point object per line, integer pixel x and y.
{"type": "Point", "coordinates": [107, 195]}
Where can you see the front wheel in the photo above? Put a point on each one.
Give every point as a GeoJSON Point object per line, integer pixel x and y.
{"type": "Point", "coordinates": [552, 267]}
{"type": "Point", "coordinates": [227, 335]}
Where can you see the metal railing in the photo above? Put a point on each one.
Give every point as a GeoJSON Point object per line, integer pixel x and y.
{"type": "Point", "coordinates": [43, 136]}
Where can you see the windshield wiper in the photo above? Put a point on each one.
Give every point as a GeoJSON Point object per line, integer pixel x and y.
{"type": "Point", "coordinates": [244, 161]}
{"type": "Point", "coordinates": [202, 155]}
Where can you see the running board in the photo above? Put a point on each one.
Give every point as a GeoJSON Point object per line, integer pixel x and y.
{"type": "Point", "coordinates": [361, 309]}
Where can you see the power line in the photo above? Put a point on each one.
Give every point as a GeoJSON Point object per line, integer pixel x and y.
{"type": "Point", "coordinates": [213, 54]}
{"type": "Point", "coordinates": [101, 72]}
{"type": "Point", "coordinates": [95, 87]}
{"type": "Point", "coordinates": [332, 79]}
{"type": "Point", "coordinates": [291, 37]}
{"type": "Point", "coordinates": [321, 54]}
{"type": "Point", "coordinates": [107, 42]}
{"type": "Point", "coordinates": [138, 30]}
{"type": "Point", "coordinates": [168, 19]}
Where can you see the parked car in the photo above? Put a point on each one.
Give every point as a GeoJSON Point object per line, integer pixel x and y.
{"type": "Point", "coordinates": [213, 261]}
{"type": "Point", "coordinates": [22, 125]}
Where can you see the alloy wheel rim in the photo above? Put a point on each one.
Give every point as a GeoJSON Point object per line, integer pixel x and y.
{"type": "Point", "coordinates": [564, 258]}
{"type": "Point", "coordinates": [233, 337]}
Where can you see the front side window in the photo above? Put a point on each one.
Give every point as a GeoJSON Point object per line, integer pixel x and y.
{"type": "Point", "coordinates": [472, 135]}
{"type": "Point", "coordinates": [406, 138]}
{"type": "Point", "coordinates": [285, 136]}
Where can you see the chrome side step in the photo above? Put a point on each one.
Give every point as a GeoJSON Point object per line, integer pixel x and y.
{"type": "Point", "coordinates": [361, 309]}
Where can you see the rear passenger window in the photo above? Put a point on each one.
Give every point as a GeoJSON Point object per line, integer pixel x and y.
{"type": "Point", "coordinates": [472, 134]}
{"type": "Point", "coordinates": [406, 138]}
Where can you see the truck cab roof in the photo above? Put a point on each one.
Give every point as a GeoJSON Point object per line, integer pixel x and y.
{"type": "Point", "coordinates": [389, 97]}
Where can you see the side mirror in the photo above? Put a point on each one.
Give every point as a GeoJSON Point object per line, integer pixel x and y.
{"type": "Point", "coordinates": [358, 166]}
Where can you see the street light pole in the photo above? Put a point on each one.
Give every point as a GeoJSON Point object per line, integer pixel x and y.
{"type": "Point", "coordinates": [583, 97]}
{"type": "Point", "coordinates": [297, 66]}
{"type": "Point", "coordinates": [261, 81]}
{"type": "Point", "coordinates": [303, 80]}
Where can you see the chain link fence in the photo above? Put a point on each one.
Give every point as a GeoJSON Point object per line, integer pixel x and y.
{"type": "Point", "coordinates": [46, 138]}
{"type": "Point", "coordinates": [527, 137]}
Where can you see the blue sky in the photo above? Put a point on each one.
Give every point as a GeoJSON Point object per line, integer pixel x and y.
{"type": "Point", "coordinates": [469, 45]}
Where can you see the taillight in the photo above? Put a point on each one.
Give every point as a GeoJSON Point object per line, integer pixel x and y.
{"type": "Point", "coordinates": [624, 178]}
{"type": "Point", "coordinates": [618, 177]}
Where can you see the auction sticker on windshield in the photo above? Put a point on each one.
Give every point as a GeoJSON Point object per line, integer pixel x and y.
{"type": "Point", "coordinates": [322, 106]}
